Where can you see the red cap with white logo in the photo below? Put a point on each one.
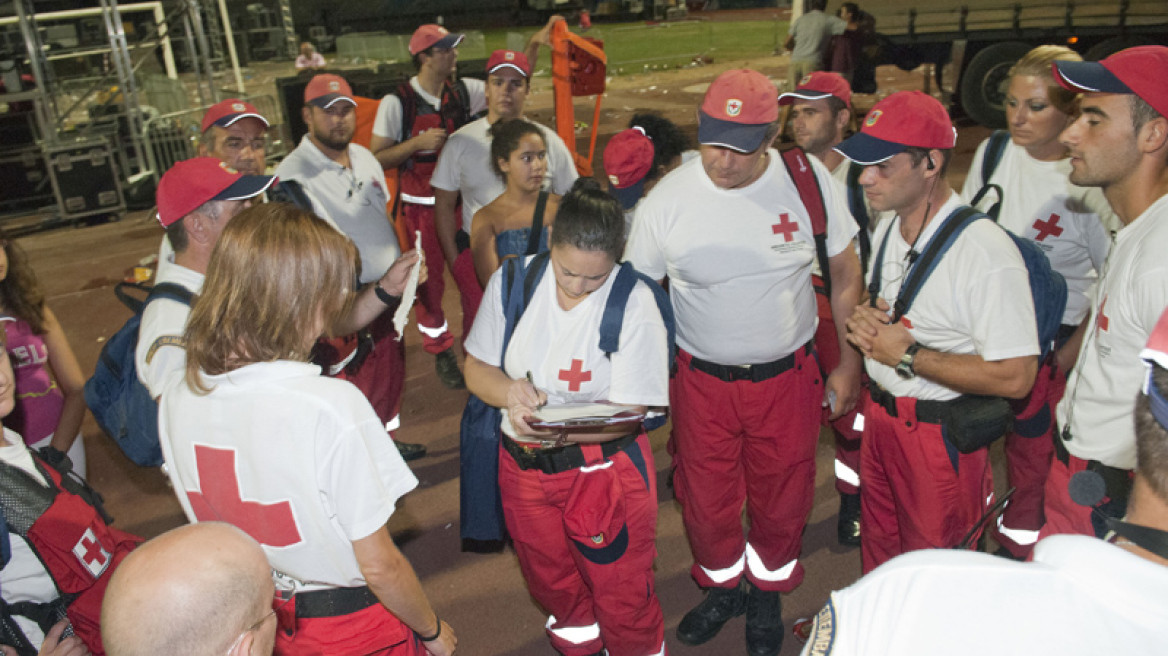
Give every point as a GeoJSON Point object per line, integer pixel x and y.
{"type": "Point", "coordinates": [508, 59]}
{"type": "Point", "coordinates": [326, 90]}
{"type": "Point", "coordinates": [225, 113]}
{"type": "Point", "coordinates": [738, 109]}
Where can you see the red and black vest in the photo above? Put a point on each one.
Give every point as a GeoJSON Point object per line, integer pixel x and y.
{"type": "Point", "coordinates": [419, 116]}
{"type": "Point", "coordinates": [68, 531]}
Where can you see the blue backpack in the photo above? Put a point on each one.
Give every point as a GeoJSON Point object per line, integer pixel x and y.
{"type": "Point", "coordinates": [120, 403]}
{"type": "Point", "coordinates": [1048, 289]}
{"type": "Point", "coordinates": [481, 507]}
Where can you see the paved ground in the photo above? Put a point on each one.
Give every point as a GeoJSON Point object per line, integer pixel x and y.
{"type": "Point", "coordinates": [483, 597]}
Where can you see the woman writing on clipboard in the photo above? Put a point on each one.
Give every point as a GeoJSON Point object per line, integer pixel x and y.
{"type": "Point", "coordinates": [581, 508]}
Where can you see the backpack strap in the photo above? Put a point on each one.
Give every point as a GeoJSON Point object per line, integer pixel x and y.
{"type": "Point", "coordinates": [812, 196]}
{"type": "Point", "coordinates": [291, 191]}
{"type": "Point", "coordinates": [991, 157]}
{"type": "Point", "coordinates": [409, 106]}
{"type": "Point", "coordinates": [920, 270]}
{"type": "Point", "coordinates": [462, 97]}
{"type": "Point", "coordinates": [519, 281]}
{"type": "Point", "coordinates": [618, 298]}
{"type": "Point", "coordinates": [537, 224]}
{"type": "Point", "coordinates": [170, 290]}
{"type": "Point", "coordinates": [859, 210]}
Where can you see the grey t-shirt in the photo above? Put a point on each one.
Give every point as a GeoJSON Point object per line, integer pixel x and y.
{"type": "Point", "coordinates": [813, 32]}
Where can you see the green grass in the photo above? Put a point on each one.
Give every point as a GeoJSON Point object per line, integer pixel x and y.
{"type": "Point", "coordinates": [632, 46]}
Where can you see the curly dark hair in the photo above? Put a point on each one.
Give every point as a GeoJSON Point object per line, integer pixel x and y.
{"type": "Point", "coordinates": [20, 294]}
{"type": "Point", "coordinates": [669, 142]}
{"type": "Point", "coordinates": [505, 138]}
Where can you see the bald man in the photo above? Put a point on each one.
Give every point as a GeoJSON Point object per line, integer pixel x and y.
{"type": "Point", "coordinates": [199, 589]}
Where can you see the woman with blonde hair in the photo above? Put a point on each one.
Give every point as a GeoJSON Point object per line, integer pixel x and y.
{"type": "Point", "coordinates": [1021, 177]}
{"type": "Point", "coordinates": [50, 398]}
{"type": "Point", "coordinates": [253, 420]}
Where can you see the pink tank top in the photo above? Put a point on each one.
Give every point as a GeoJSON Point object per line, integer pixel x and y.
{"type": "Point", "coordinates": [38, 399]}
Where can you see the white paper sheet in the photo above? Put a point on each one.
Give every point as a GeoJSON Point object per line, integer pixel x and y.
{"type": "Point", "coordinates": [402, 316]}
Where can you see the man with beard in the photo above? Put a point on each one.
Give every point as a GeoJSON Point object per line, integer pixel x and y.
{"type": "Point", "coordinates": [346, 185]}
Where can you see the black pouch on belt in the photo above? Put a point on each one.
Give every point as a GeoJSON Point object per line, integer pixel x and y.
{"type": "Point", "coordinates": [973, 422]}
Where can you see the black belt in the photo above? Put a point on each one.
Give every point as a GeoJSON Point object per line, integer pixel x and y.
{"type": "Point", "coordinates": [563, 458]}
{"type": "Point", "coordinates": [755, 373]}
{"type": "Point", "coordinates": [334, 602]}
{"type": "Point", "coordinates": [1118, 481]}
{"type": "Point", "coordinates": [928, 412]}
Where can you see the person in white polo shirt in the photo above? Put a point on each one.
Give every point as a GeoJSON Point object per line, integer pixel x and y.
{"type": "Point", "coordinates": [464, 170]}
{"type": "Point", "coordinates": [731, 233]}
{"type": "Point", "coordinates": [1079, 597]}
{"type": "Point", "coordinates": [196, 199]}
{"type": "Point", "coordinates": [1120, 144]}
{"type": "Point", "coordinates": [1033, 198]}
{"type": "Point", "coordinates": [968, 337]}
{"type": "Point", "coordinates": [346, 185]}
{"type": "Point", "coordinates": [254, 436]}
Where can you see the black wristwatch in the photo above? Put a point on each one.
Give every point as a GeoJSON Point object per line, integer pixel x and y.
{"type": "Point", "coordinates": [904, 368]}
{"type": "Point", "coordinates": [386, 297]}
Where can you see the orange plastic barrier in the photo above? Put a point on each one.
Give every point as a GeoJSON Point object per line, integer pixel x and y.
{"type": "Point", "coordinates": [578, 69]}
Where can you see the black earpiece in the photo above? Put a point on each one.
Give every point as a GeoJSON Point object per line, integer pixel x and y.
{"type": "Point", "coordinates": [929, 163]}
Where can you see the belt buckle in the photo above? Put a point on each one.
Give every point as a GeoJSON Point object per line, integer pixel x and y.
{"type": "Point", "coordinates": [741, 372]}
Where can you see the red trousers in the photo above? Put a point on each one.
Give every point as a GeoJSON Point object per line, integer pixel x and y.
{"type": "Point", "coordinates": [382, 376]}
{"type": "Point", "coordinates": [436, 335]}
{"type": "Point", "coordinates": [753, 443]}
{"type": "Point", "coordinates": [597, 600]}
{"type": "Point", "coordinates": [847, 438]}
{"type": "Point", "coordinates": [1063, 515]}
{"type": "Point", "coordinates": [1029, 449]}
{"type": "Point", "coordinates": [469, 289]}
{"type": "Point", "coordinates": [373, 630]}
{"type": "Point", "coordinates": [919, 491]}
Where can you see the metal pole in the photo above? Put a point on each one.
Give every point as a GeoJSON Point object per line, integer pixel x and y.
{"type": "Point", "coordinates": [227, 34]}
{"type": "Point", "coordinates": [291, 42]}
{"type": "Point", "coordinates": [163, 27]}
{"type": "Point", "coordinates": [205, 49]}
{"type": "Point", "coordinates": [194, 57]}
{"type": "Point", "coordinates": [120, 54]}
{"type": "Point", "coordinates": [46, 105]}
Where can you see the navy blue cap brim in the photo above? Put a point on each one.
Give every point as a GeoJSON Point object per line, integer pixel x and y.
{"type": "Point", "coordinates": [629, 196]}
{"type": "Point", "coordinates": [232, 119]}
{"type": "Point", "coordinates": [449, 41]}
{"type": "Point", "coordinates": [1085, 76]}
{"type": "Point", "coordinates": [329, 99]}
{"type": "Point", "coordinates": [744, 138]}
{"type": "Point", "coordinates": [248, 186]}
{"type": "Point", "coordinates": [867, 150]}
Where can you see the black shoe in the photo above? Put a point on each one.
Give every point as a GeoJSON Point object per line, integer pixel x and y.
{"type": "Point", "coordinates": [446, 364]}
{"type": "Point", "coordinates": [848, 528]}
{"type": "Point", "coordinates": [764, 622]}
{"type": "Point", "coordinates": [410, 451]}
{"type": "Point", "coordinates": [704, 622]}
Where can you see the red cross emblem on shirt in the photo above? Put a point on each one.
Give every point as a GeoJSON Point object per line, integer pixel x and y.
{"type": "Point", "coordinates": [271, 524]}
{"type": "Point", "coordinates": [92, 555]}
{"type": "Point", "coordinates": [575, 375]}
{"type": "Point", "coordinates": [1048, 228]}
{"type": "Point", "coordinates": [786, 226]}
{"type": "Point", "coordinates": [1101, 321]}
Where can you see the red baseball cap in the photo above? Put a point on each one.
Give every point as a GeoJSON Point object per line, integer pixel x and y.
{"type": "Point", "coordinates": [738, 108]}
{"type": "Point", "coordinates": [627, 159]}
{"type": "Point", "coordinates": [433, 35]}
{"type": "Point", "coordinates": [1155, 354]}
{"type": "Point", "coordinates": [817, 86]}
{"type": "Point", "coordinates": [509, 59]}
{"type": "Point", "coordinates": [324, 90]}
{"type": "Point", "coordinates": [227, 112]}
{"type": "Point", "coordinates": [1140, 71]}
{"type": "Point", "coordinates": [190, 183]}
{"type": "Point", "coordinates": [904, 119]}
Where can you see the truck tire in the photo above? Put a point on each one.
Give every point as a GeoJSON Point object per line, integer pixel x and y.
{"type": "Point", "coordinates": [1108, 47]}
{"type": "Point", "coordinates": [983, 82]}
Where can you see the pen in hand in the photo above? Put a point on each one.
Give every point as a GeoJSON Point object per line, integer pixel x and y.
{"type": "Point", "coordinates": [531, 379]}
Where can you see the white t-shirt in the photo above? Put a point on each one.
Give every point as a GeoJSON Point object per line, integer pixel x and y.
{"type": "Point", "coordinates": [307, 455]}
{"type": "Point", "coordinates": [738, 260]}
{"type": "Point", "coordinates": [1132, 294]}
{"type": "Point", "coordinates": [165, 319]}
{"type": "Point", "coordinates": [465, 166]}
{"type": "Point", "coordinates": [561, 347]}
{"type": "Point", "coordinates": [387, 123]}
{"type": "Point", "coordinates": [353, 199]}
{"type": "Point", "coordinates": [976, 302]}
{"type": "Point", "coordinates": [24, 578]}
{"type": "Point", "coordinates": [813, 32]}
{"type": "Point", "coordinates": [1070, 224]}
{"type": "Point", "coordinates": [1081, 596]}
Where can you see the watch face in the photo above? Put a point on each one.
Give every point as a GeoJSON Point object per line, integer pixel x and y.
{"type": "Point", "coordinates": [904, 372]}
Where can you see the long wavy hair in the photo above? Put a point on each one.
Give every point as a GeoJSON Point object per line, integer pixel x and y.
{"type": "Point", "coordinates": [20, 294]}
{"type": "Point", "coordinates": [278, 278]}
